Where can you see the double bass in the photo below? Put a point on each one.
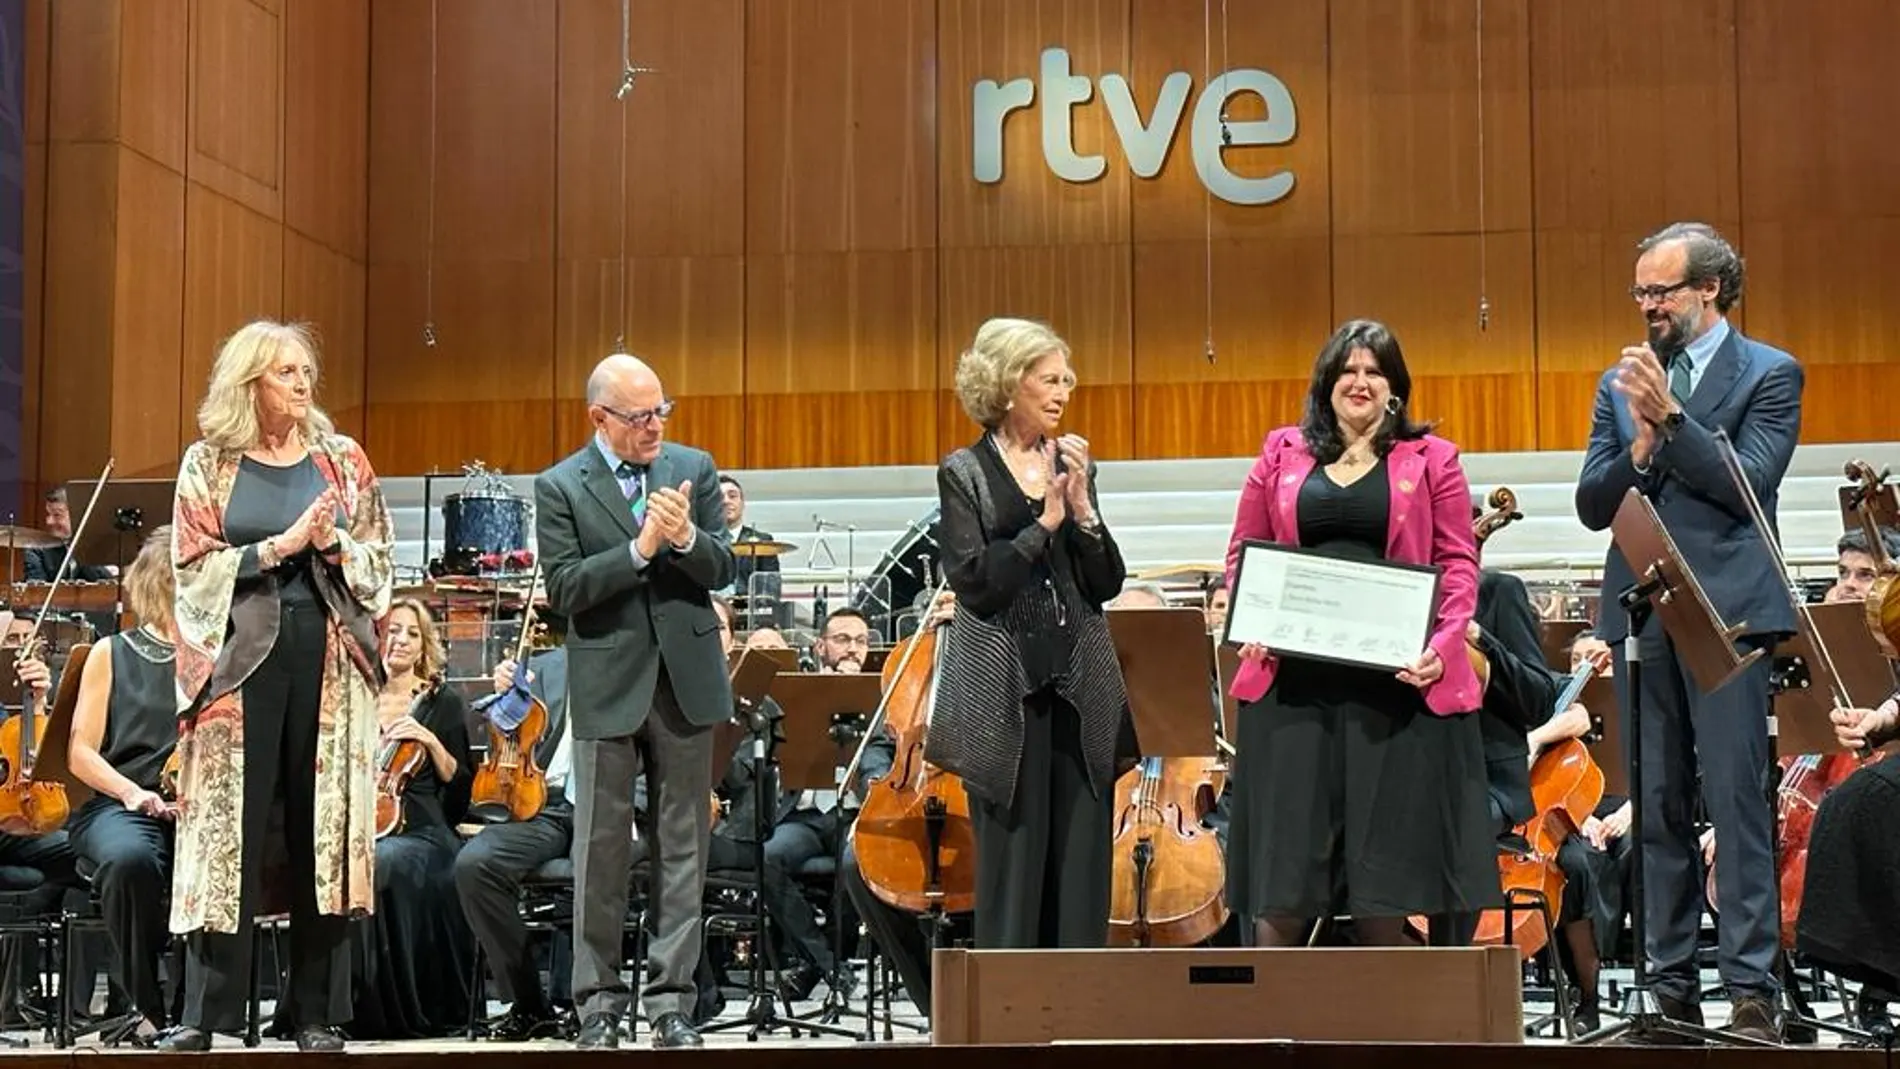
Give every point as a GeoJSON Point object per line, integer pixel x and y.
{"type": "Point", "coordinates": [915, 844]}
{"type": "Point", "coordinates": [397, 762]}
{"type": "Point", "coordinates": [1501, 512]}
{"type": "Point", "coordinates": [509, 784]}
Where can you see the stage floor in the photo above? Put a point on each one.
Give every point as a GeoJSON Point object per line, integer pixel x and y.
{"type": "Point", "coordinates": [733, 1049]}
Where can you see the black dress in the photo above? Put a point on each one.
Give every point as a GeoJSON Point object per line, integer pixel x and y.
{"type": "Point", "coordinates": [1852, 893]}
{"type": "Point", "coordinates": [411, 959]}
{"type": "Point", "coordinates": [1350, 795]}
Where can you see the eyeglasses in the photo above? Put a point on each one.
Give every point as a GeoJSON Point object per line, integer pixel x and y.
{"type": "Point", "coordinates": [642, 417]}
{"type": "Point", "coordinates": [1657, 294]}
{"type": "Point", "coordinates": [863, 641]}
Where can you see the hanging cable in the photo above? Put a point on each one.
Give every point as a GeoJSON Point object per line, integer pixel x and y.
{"type": "Point", "coordinates": [428, 283]}
{"type": "Point", "coordinates": [1207, 194]}
{"type": "Point", "coordinates": [626, 87]}
{"type": "Point", "coordinates": [1484, 274]}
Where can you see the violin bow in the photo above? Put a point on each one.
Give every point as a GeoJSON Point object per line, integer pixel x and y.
{"type": "Point", "coordinates": [884, 703]}
{"type": "Point", "coordinates": [1769, 538]}
{"type": "Point", "coordinates": [52, 589]}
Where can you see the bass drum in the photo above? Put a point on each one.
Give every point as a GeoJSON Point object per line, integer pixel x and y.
{"type": "Point", "coordinates": [477, 526]}
{"type": "Point", "coordinates": [908, 569]}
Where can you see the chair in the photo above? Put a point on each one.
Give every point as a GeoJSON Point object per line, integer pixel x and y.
{"type": "Point", "coordinates": [111, 1030]}
{"type": "Point", "coordinates": [36, 930]}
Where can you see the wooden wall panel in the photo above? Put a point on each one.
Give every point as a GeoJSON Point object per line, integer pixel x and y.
{"type": "Point", "coordinates": [841, 278]}
{"type": "Point", "coordinates": [680, 301]}
{"type": "Point", "coordinates": [1270, 304]}
{"type": "Point", "coordinates": [485, 389]}
{"type": "Point", "coordinates": [1034, 245]}
{"type": "Point", "coordinates": [326, 124]}
{"type": "Point", "coordinates": [148, 320]}
{"type": "Point", "coordinates": [1820, 224]}
{"type": "Point", "coordinates": [234, 273]}
{"type": "Point", "coordinates": [1431, 204]}
{"type": "Point", "coordinates": [38, 63]}
{"type": "Point", "coordinates": [234, 120]}
{"type": "Point", "coordinates": [1625, 94]}
{"type": "Point", "coordinates": [81, 190]}
{"type": "Point", "coordinates": [325, 289]}
{"type": "Point", "coordinates": [152, 79]}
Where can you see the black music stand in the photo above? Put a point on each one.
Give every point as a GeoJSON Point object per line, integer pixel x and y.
{"type": "Point", "coordinates": [1802, 708]}
{"type": "Point", "coordinates": [799, 751]}
{"type": "Point", "coordinates": [1706, 645]}
{"type": "Point", "coordinates": [130, 509]}
{"type": "Point", "coordinates": [1166, 704]}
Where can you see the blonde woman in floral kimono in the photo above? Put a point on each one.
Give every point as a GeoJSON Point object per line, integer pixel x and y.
{"type": "Point", "coordinates": [281, 553]}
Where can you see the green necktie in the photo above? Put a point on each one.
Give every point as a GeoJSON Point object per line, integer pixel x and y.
{"type": "Point", "coordinates": [1679, 378]}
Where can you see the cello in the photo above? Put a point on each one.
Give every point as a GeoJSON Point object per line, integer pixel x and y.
{"type": "Point", "coordinates": [28, 806]}
{"type": "Point", "coordinates": [509, 784]}
{"type": "Point", "coordinates": [915, 844]}
{"type": "Point", "coordinates": [397, 762]}
{"type": "Point", "coordinates": [1882, 607]}
{"type": "Point", "coordinates": [1170, 874]}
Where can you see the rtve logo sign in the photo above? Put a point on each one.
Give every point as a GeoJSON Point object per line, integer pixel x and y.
{"type": "Point", "coordinates": [1145, 144]}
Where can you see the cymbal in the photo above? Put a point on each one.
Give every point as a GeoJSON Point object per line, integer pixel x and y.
{"type": "Point", "coordinates": [761, 549]}
{"type": "Point", "coordinates": [27, 538]}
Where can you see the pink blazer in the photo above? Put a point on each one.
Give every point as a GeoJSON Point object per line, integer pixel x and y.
{"type": "Point", "coordinates": [1430, 523]}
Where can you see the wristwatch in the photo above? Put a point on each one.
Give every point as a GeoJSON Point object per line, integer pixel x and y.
{"type": "Point", "coordinates": [1671, 424]}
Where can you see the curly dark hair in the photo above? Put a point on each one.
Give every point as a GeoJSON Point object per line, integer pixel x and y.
{"type": "Point", "coordinates": [1710, 256]}
{"type": "Point", "coordinates": [1320, 425]}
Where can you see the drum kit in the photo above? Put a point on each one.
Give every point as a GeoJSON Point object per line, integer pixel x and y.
{"type": "Point", "coordinates": [66, 623]}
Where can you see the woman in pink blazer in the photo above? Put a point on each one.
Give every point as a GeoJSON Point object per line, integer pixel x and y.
{"type": "Point", "coordinates": [1357, 790]}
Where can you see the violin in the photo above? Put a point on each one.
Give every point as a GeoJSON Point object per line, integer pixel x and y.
{"type": "Point", "coordinates": [1170, 874]}
{"type": "Point", "coordinates": [915, 844]}
{"type": "Point", "coordinates": [509, 782]}
{"type": "Point", "coordinates": [1882, 607]}
{"type": "Point", "coordinates": [30, 807]}
{"type": "Point", "coordinates": [397, 763]}
{"type": "Point", "coordinates": [1502, 512]}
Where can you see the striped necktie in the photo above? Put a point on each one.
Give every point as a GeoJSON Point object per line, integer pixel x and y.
{"type": "Point", "coordinates": [637, 494]}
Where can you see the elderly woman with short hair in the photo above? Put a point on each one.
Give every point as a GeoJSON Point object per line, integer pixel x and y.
{"type": "Point", "coordinates": [281, 553]}
{"type": "Point", "coordinates": [1031, 710]}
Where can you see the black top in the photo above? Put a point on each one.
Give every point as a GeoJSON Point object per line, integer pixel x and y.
{"type": "Point", "coordinates": [1523, 691]}
{"type": "Point", "coordinates": [265, 501]}
{"type": "Point", "coordinates": [142, 713]}
{"type": "Point", "coordinates": [428, 801]}
{"type": "Point", "coordinates": [42, 564]}
{"type": "Point", "coordinates": [1346, 521]}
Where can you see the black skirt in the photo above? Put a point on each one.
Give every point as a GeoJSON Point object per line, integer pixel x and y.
{"type": "Point", "coordinates": [1351, 797]}
{"type": "Point", "coordinates": [1852, 893]}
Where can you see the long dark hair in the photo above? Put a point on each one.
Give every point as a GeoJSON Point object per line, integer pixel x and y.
{"type": "Point", "coordinates": [1320, 426]}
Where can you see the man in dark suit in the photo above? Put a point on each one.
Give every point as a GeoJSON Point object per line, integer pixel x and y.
{"type": "Point", "coordinates": [1657, 412]}
{"type": "Point", "coordinates": [764, 611]}
{"type": "Point", "coordinates": [632, 540]}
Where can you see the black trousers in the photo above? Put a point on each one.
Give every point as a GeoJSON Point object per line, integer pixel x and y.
{"type": "Point", "coordinates": [905, 939]}
{"type": "Point", "coordinates": [132, 858]}
{"type": "Point", "coordinates": [488, 875]}
{"type": "Point", "coordinates": [1044, 862]}
{"type": "Point", "coordinates": [281, 701]}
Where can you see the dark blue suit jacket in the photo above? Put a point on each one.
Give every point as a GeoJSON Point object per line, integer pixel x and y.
{"type": "Point", "coordinates": [1750, 391]}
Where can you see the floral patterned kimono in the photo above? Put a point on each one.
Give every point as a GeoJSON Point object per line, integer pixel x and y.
{"type": "Point", "coordinates": [222, 639]}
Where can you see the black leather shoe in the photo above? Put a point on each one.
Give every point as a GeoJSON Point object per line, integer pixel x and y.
{"type": "Point", "coordinates": [1754, 1018]}
{"type": "Point", "coordinates": [522, 1025]}
{"type": "Point", "coordinates": [796, 985]}
{"type": "Point", "coordinates": [600, 1031]}
{"type": "Point", "coordinates": [316, 1038]}
{"type": "Point", "coordinates": [673, 1031]}
{"type": "Point", "coordinates": [183, 1040]}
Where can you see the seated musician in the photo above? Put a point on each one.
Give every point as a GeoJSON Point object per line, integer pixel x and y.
{"type": "Point", "coordinates": [901, 937]}
{"type": "Point", "coordinates": [1855, 568]}
{"type": "Point", "coordinates": [124, 729]}
{"type": "Point", "coordinates": [1217, 608]}
{"type": "Point", "coordinates": [805, 825]}
{"type": "Point", "coordinates": [767, 638]}
{"type": "Point", "coordinates": [41, 866]}
{"type": "Point", "coordinates": [744, 588]}
{"type": "Point", "coordinates": [42, 564]}
{"type": "Point", "coordinates": [1520, 720]}
{"type": "Point", "coordinates": [1851, 896]}
{"type": "Point", "coordinates": [410, 959]}
{"type": "Point", "coordinates": [492, 865]}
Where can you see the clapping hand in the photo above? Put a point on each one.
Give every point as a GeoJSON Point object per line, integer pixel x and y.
{"type": "Point", "coordinates": [675, 512]}
{"type": "Point", "coordinates": [1074, 451]}
{"type": "Point", "coordinates": [319, 517]}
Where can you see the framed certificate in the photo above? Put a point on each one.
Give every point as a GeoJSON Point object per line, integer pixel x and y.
{"type": "Point", "coordinates": [1298, 603]}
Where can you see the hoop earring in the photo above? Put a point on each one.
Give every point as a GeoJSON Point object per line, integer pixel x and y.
{"type": "Point", "coordinates": [1392, 406]}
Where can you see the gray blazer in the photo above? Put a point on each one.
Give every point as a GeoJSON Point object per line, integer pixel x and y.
{"type": "Point", "coordinates": [625, 625]}
{"type": "Point", "coordinates": [1750, 391]}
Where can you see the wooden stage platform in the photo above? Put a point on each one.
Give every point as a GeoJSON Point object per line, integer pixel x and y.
{"type": "Point", "coordinates": [732, 1052]}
